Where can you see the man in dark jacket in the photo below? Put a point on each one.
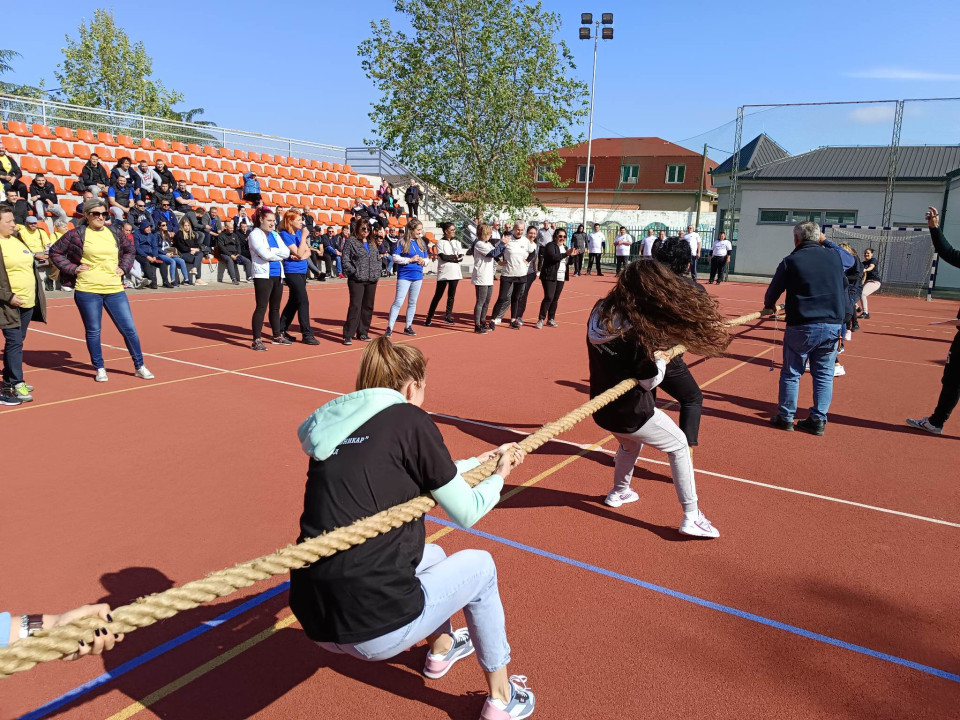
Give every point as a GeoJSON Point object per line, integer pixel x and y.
{"type": "Point", "coordinates": [148, 244]}
{"type": "Point", "coordinates": [44, 199]}
{"type": "Point", "coordinates": [21, 208]}
{"type": "Point", "coordinates": [412, 197]}
{"type": "Point", "coordinates": [162, 212]}
{"type": "Point", "coordinates": [950, 390]}
{"type": "Point", "coordinates": [94, 176]}
{"type": "Point", "coordinates": [812, 276]}
{"type": "Point", "coordinates": [230, 243]}
{"type": "Point", "coordinates": [9, 170]}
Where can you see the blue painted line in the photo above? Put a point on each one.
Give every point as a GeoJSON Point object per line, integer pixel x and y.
{"type": "Point", "coordinates": [156, 652]}
{"type": "Point", "coordinates": [760, 619]}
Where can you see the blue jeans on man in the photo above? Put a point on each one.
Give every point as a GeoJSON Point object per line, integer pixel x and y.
{"type": "Point", "coordinates": [816, 342]}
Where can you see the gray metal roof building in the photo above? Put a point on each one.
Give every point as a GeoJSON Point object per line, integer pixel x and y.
{"type": "Point", "coordinates": [760, 151]}
{"type": "Point", "coordinates": [915, 162]}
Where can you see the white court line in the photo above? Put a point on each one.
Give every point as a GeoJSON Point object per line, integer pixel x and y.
{"type": "Point", "coordinates": [521, 432]}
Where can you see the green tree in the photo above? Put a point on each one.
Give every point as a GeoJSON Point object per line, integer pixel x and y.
{"type": "Point", "coordinates": [5, 57]}
{"type": "Point", "coordinates": [102, 68]}
{"type": "Point", "coordinates": [193, 116]}
{"type": "Point", "coordinates": [476, 95]}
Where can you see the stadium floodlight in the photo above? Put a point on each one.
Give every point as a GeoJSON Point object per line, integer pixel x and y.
{"type": "Point", "coordinates": [607, 34]}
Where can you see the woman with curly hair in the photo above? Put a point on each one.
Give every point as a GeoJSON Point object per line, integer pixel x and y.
{"type": "Point", "coordinates": [650, 310]}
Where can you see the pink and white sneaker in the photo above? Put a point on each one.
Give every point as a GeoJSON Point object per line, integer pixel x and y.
{"type": "Point", "coordinates": [698, 526]}
{"type": "Point", "coordinates": [521, 702]}
{"type": "Point", "coordinates": [436, 666]}
{"type": "Point", "coordinates": [616, 499]}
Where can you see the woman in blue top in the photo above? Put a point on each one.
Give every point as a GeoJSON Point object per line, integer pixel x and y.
{"type": "Point", "coordinates": [295, 237]}
{"type": "Point", "coordinates": [409, 256]}
{"type": "Point", "coordinates": [251, 188]}
{"type": "Point", "coordinates": [267, 253]}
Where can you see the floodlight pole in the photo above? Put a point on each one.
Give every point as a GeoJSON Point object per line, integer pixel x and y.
{"type": "Point", "coordinates": [593, 90]}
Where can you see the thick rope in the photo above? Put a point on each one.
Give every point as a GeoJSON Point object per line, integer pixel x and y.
{"type": "Point", "coordinates": [62, 641]}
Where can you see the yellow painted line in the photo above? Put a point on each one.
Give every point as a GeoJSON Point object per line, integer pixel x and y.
{"type": "Point", "coordinates": [202, 670]}
{"type": "Point", "coordinates": [559, 466]}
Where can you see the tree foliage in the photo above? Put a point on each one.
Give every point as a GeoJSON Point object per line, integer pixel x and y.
{"type": "Point", "coordinates": [475, 95]}
{"type": "Point", "coordinates": [102, 68]}
{"type": "Point", "coordinates": [5, 57]}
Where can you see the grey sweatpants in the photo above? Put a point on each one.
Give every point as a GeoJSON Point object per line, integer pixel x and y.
{"type": "Point", "coordinates": [663, 434]}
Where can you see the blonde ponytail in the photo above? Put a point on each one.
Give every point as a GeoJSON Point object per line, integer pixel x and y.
{"type": "Point", "coordinates": [386, 365]}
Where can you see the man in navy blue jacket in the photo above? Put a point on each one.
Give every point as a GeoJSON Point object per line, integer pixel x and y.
{"type": "Point", "coordinates": [950, 391]}
{"type": "Point", "coordinates": [812, 276]}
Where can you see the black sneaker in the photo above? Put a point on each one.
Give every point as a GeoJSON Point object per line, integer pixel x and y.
{"type": "Point", "coordinates": [8, 397]}
{"type": "Point", "coordinates": [288, 336]}
{"type": "Point", "coordinates": [781, 424]}
{"type": "Point", "coordinates": [310, 340]}
{"type": "Point", "coordinates": [281, 340]}
{"type": "Point", "coordinates": [408, 331]}
{"type": "Point", "coordinates": [865, 316]}
{"type": "Point", "coordinates": [388, 334]}
{"type": "Point", "coordinates": [814, 427]}
{"type": "Point", "coordinates": [480, 330]}
{"type": "Point", "coordinates": [363, 338]}
{"type": "Point", "coordinates": [449, 320]}
{"type": "Point", "coordinates": [428, 322]}
{"type": "Point", "coordinates": [347, 341]}
{"type": "Point", "coordinates": [258, 346]}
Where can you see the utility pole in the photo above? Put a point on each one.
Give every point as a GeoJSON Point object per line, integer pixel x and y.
{"type": "Point", "coordinates": [593, 89]}
{"type": "Point", "coordinates": [703, 177]}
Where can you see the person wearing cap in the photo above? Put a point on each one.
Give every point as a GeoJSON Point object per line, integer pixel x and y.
{"type": "Point", "coordinates": [147, 244]}
{"type": "Point", "coordinates": [21, 302]}
{"type": "Point", "coordinates": [251, 188]}
{"type": "Point", "coordinates": [93, 260]}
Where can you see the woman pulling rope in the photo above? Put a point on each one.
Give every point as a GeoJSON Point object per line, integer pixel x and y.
{"type": "Point", "coordinates": [649, 310]}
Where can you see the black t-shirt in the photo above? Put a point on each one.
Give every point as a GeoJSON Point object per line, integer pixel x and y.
{"type": "Point", "coordinates": [371, 589]}
{"type": "Point", "coordinates": [610, 363]}
{"type": "Point", "coordinates": [873, 274]}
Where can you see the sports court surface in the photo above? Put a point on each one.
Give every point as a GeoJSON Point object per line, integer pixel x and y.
{"type": "Point", "coordinates": [831, 593]}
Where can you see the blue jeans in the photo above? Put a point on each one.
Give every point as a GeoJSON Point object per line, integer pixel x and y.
{"type": "Point", "coordinates": [91, 307]}
{"type": "Point", "coordinates": [13, 349]}
{"type": "Point", "coordinates": [404, 287]}
{"type": "Point", "coordinates": [337, 259]}
{"type": "Point", "coordinates": [466, 581]}
{"type": "Point", "coordinates": [816, 342]}
{"type": "Point", "coordinates": [174, 263]}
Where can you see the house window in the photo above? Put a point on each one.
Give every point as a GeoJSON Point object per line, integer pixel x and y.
{"type": "Point", "coordinates": [840, 217]}
{"type": "Point", "coordinates": [542, 171]}
{"type": "Point", "coordinates": [799, 216]}
{"type": "Point", "coordinates": [676, 173]}
{"type": "Point", "coordinates": [629, 173]}
{"type": "Point", "coordinates": [774, 216]}
{"type": "Point", "coordinates": [582, 173]}
{"type": "Point", "coordinates": [794, 217]}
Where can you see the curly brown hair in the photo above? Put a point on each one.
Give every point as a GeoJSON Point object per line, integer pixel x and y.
{"type": "Point", "coordinates": [657, 309]}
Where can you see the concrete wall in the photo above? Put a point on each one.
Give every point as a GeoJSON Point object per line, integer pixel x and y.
{"type": "Point", "coordinates": [948, 277]}
{"type": "Point", "coordinates": [761, 247]}
{"type": "Point", "coordinates": [627, 218]}
{"type": "Point", "coordinates": [677, 202]}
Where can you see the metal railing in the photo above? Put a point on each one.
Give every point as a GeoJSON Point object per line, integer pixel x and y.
{"type": "Point", "coordinates": [52, 114]}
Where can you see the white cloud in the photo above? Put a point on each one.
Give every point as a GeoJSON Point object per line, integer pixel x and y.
{"type": "Point", "coordinates": [904, 74]}
{"type": "Point", "coordinates": [872, 114]}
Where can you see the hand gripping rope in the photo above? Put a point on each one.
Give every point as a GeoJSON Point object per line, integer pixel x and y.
{"type": "Point", "coordinates": [53, 644]}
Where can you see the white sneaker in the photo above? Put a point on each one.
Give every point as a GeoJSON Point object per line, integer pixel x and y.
{"type": "Point", "coordinates": [496, 321]}
{"type": "Point", "coordinates": [838, 370]}
{"type": "Point", "coordinates": [143, 373]}
{"type": "Point", "coordinates": [925, 424]}
{"type": "Point", "coordinates": [698, 526]}
{"type": "Point", "coordinates": [101, 375]}
{"type": "Point", "coordinates": [616, 499]}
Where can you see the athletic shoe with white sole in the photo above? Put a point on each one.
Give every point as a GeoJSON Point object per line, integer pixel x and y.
{"type": "Point", "coordinates": [22, 391]}
{"type": "Point", "coordinates": [838, 370]}
{"type": "Point", "coordinates": [143, 373]}
{"type": "Point", "coordinates": [101, 375]}
{"type": "Point", "coordinates": [925, 424]}
{"type": "Point", "coordinates": [616, 499]}
{"type": "Point", "coordinates": [698, 526]}
{"type": "Point", "coordinates": [436, 666]}
{"type": "Point", "coordinates": [521, 704]}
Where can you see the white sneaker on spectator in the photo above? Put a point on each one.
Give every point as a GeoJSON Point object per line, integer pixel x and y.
{"type": "Point", "coordinates": [616, 499]}
{"type": "Point", "coordinates": [143, 373]}
{"type": "Point", "coordinates": [101, 375]}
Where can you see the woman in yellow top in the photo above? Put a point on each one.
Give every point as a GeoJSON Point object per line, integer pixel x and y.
{"type": "Point", "coordinates": [21, 301]}
{"type": "Point", "coordinates": [93, 260]}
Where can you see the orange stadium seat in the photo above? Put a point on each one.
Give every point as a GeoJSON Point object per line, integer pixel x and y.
{"type": "Point", "coordinates": [161, 144]}
{"type": "Point", "coordinates": [326, 166]}
{"type": "Point", "coordinates": [195, 162]}
{"type": "Point", "coordinates": [210, 151]}
{"type": "Point", "coordinates": [56, 166]}
{"type": "Point", "coordinates": [253, 157]}
{"type": "Point", "coordinates": [146, 144]}
{"type": "Point", "coordinates": [161, 156]}
{"type": "Point", "coordinates": [12, 145]}
{"type": "Point", "coordinates": [139, 155]}
{"type": "Point", "coordinates": [232, 196]}
{"type": "Point", "coordinates": [200, 195]}
{"type": "Point", "coordinates": [60, 149]}
{"type": "Point", "coordinates": [107, 138]}
{"type": "Point", "coordinates": [225, 153]}
{"type": "Point", "coordinates": [210, 164]}
{"type": "Point", "coordinates": [227, 166]}
{"type": "Point", "coordinates": [196, 178]}
{"type": "Point", "coordinates": [64, 133]}
{"type": "Point", "coordinates": [347, 169]}
{"type": "Point", "coordinates": [403, 221]}
{"type": "Point", "coordinates": [178, 147]}
{"type": "Point", "coordinates": [69, 206]}
{"type": "Point", "coordinates": [242, 167]}
{"type": "Point", "coordinates": [270, 171]}
{"type": "Point", "coordinates": [178, 160]}
{"type": "Point", "coordinates": [257, 168]}
{"type": "Point", "coordinates": [194, 149]}
{"type": "Point", "coordinates": [42, 131]}
{"type": "Point", "coordinates": [125, 141]}
{"type": "Point", "coordinates": [241, 155]}
{"type": "Point", "coordinates": [283, 172]}
{"type": "Point", "coordinates": [302, 188]}
{"type": "Point", "coordinates": [288, 186]}
{"type": "Point", "coordinates": [336, 167]}
{"type": "Point", "coordinates": [37, 147]}
{"type": "Point", "coordinates": [105, 153]}
{"type": "Point", "coordinates": [30, 164]}
{"type": "Point", "coordinates": [215, 179]}
{"type": "Point", "coordinates": [76, 167]}
{"type": "Point", "coordinates": [19, 128]}
{"type": "Point", "coordinates": [216, 196]}
{"type": "Point", "coordinates": [85, 135]}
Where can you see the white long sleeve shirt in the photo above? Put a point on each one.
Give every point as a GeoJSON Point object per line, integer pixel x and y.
{"type": "Point", "coordinates": [262, 254]}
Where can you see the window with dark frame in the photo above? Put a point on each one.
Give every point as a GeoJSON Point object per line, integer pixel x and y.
{"type": "Point", "coordinates": [582, 173]}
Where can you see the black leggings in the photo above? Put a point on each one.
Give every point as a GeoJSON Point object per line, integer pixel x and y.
{"type": "Point", "coordinates": [522, 304]}
{"type": "Point", "coordinates": [298, 303]}
{"type": "Point", "coordinates": [680, 385]}
{"type": "Point", "coordinates": [950, 393]}
{"type": "Point", "coordinates": [483, 304]}
{"type": "Point", "coordinates": [360, 312]}
{"type": "Point", "coordinates": [451, 287]}
{"type": "Point", "coordinates": [551, 296]}
{"type": "Point", "coordinates": [269, 292]}
{"type": "Point", "coordinates": [511, 291]}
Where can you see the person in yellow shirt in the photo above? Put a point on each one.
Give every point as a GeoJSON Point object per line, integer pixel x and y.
{"type": "Point", "coordinates": [37, 239]}
{"type": "Point", "coordinates": [21, 301]}
{"type": "Point", "coordinates": [93, 260]}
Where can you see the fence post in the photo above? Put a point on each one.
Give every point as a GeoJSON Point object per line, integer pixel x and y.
{"type": "Point", "coordinates": [289, 148]}
{"type": "Point", "coordinates": [43, 109]}
{"type": "Point", "coordinates": [143, 125]}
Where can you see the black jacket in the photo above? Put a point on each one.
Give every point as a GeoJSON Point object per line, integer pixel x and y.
{"type": "Point", "coordinates": [167, 175]}
{"type": "Point", "coordinates": [945, 251]}
{"type": "Point", "coordinates": [361, 265]}
{"type": "Point", "coordinates": [231, 243]}
{"type": "Point", "coordinates": [21, 209]}
{"type": "Point", "coordinates": [45, 193]}
{"type": "Point", "coordinates": [183, 245]}
{"type": "Point", "coordinates": [551, 262]}
{"type": "Point", "coordinates": [14, 170]}
{"type": "Point", "coordinates": [413, 194]}
{"type": "Point", "coordinates": [812, 276]}
{"type": "Point", "coordinates": [9, 315]}
{"type": "Point", "coordinates": [91, 175]}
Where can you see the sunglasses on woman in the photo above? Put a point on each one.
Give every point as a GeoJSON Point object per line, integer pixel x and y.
{"type": "Point", "coordinates": [97, 213]}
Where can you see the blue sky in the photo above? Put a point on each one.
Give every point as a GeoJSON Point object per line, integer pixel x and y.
{"type": "Point", "coordinates": [674, 70]}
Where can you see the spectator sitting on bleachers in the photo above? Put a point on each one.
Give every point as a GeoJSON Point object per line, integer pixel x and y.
{"type": "Point", "coordinates": [383, 190]}
{"type": "Point", "coordinates": [120, 197]}
{"type": "Point", "coordinates": [163, 213]}
{"type": "Point", "coordinates": [250, 190]}
{"type": "Point", "coordinates": [241, 216]}
{"type": "Point", "coordinates": [376, 207]}
{"type": "Point", "coordinates": [216, 225]}
{"type": "Point", "coordinates": [9, 170]}
{"type": "Point", "coordinates": [94, 176]}
{"type": "Point", "coordinates": [200, 222]}
{"type": "Point", "coordinates": [146, 179]}
{"type": "Point", "coordinates": [21, 208]}
{"type": "Point", "coordinates": [183, 198]}
{"type": "Point", "coordinates": [187, 243]}
{"type": "Point", "coordinates": [164, 173]}
{"type": "Point", "coordinates": [243, 224]}
{"type": "Point", "coordinates": [36, 238]}
{"type": "Point", "coordinates": [231, 243]}
{"type": "Point", "coordinates": [333, 246]}
{"type": "Point", "coordinates": [308, 221]}
{"type": "Point", "coordinates": [122, 169]}
{"type": "Point", "coordinates": [386, 257]}
{"type": "Point", "coordinates": [133, 278]}
{"type": "Point", "coordinates": [161, 193]}
{"type": "Point", "coordinates": [138, 213]}
{"type": "Point", "coordinates": [78, 218]}
{"type": "Point", "coordinates": [317, 256]}
{"type": "Point", "coordinates": [149, 255]}
{"type": "Point", "coordinates": [44, 198]}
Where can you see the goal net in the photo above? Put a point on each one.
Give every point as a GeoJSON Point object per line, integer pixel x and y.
{"type": "Point", "coordinates": [904, 254]}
